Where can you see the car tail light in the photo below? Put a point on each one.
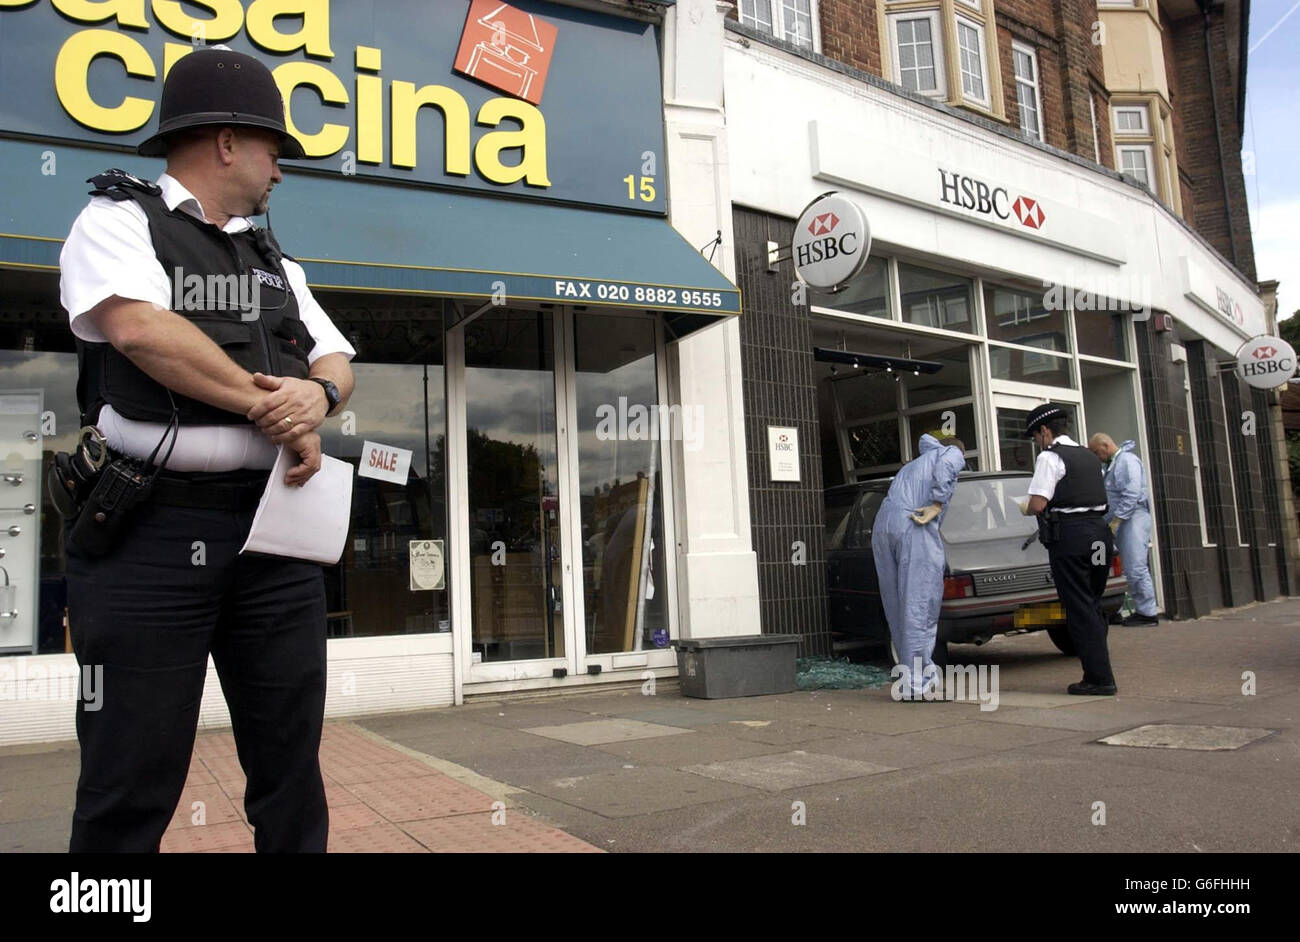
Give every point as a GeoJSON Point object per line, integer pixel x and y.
{"type": "Point", "coordinates": [1116, 567]}
{"type": "Point", "coordinates": [958, 587]}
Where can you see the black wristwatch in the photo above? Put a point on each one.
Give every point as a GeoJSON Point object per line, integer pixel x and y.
{"type": "Point", "coordinates": [331, 393]}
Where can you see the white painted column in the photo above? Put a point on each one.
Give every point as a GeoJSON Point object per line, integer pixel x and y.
{"type": "Point", "coordinates": [717, 567]}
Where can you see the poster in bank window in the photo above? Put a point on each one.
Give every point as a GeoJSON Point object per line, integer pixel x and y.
{"type": "Point", "coordinates": [533, 99]}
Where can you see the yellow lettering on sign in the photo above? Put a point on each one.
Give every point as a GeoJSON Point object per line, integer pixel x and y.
{"type": "Point", "coordinates": [407, 101]}
{"type": "Point", "coordinates": [530, 139]}
{"type": "Point", "coordinates": [370, 107]}
{"type": "Point", "coordinates": [331, 137]}
{"type": "Point", "coordinates": [127, 12]}
{"type": "Point", "coordinates": [173, 53]}
{"type": "Point", "coordinates": [313, 38]}
{"type": "Point", "coordinates": [227, 18]}
{"type": "Point", "coordinates": [71, 70]}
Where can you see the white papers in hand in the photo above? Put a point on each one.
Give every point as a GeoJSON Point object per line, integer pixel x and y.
{"type": "Point", "coordinates": [308, 522]}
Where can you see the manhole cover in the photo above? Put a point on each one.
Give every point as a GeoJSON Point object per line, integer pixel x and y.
{"type": "Point", "coordinates": [1204, 738]}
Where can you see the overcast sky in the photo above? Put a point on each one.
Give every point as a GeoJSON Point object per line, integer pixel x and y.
{"type": "Point", "coordinates": [1273, 138]}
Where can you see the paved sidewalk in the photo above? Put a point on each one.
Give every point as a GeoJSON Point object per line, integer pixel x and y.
{"type": "Point", "coordinates": [806, 771]}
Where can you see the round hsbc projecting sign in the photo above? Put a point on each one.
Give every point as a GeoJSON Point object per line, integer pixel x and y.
{"type": "Point", "coordinates": [831, 242]}
{"type": "Point", "coordinates": [1266, 362]}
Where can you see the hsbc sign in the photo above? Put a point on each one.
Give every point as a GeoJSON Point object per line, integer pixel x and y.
{"type": "Point", "coordinates": [831, 242]}
{"type": "Point", "coordinates": [971, 193]}
{"type": "Point", "coordinates": [1266, 362]}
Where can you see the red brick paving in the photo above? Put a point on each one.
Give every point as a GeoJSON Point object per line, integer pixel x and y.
{"type": "Point", "coordinates": [381, 800]}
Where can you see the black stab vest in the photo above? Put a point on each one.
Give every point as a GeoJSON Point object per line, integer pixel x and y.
{"type": "Point", "coordinates": [1082, 485]}
{"type": "Point", "coordinates": [212, 274]}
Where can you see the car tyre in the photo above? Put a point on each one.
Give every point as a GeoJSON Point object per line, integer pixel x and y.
{"type": "Point", "coordinates": [1060, 636]}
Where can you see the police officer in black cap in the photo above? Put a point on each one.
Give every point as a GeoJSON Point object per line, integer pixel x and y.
{"type": "Point", "coordinates": [198, 341]}
{"type": "Point", "coordinates": [1068, 495]}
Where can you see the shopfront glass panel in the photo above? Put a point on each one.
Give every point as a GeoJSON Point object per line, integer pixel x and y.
{"type": "Point", "coordinates": [393, 576]}
{"type": "Point", "coordinates": [1100, 334]}
{"type": "Point", "coordinates": [620, 482]}
{"type": "Point", "coordinates": [935, 299]}
{"type": "Point", "coordinates": [514, 505]}
{"type": "Point", "coordinates": [1016, 451]}
{"type": "Point", "coordinates": [952, 381]}
{"type": "Point", "coordinates": [1021, 317]}
{"type": "Point", "coordinates": [38, 417]}
{"type": "Point", "coordinates": [1030, 366]}
{"type": "Point", "coordinates": [866, 294]}
{"type": "Point", "coordinates": [875, 444]}
{"type": "Point", "coordinates": [960, 419]}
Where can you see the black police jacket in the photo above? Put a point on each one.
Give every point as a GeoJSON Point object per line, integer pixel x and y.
{"type": "Point", "coordinates": [232, 286]}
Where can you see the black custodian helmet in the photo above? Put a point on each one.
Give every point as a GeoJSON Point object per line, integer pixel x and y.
{"type": "Point", "coordinates": [1042, 415]}
{"type": "Point", "coordinates": [220, 86]}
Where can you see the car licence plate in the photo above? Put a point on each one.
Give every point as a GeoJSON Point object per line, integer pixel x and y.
{"type": "Point", "coordinates": [1030, 616]}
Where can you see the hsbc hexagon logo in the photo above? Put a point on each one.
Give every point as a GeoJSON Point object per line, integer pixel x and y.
{"type": "Point", "coordinates": [1029, 212]}
{"type": "Point", "coordinates": [975, 194]}
{"type": "Point", "coordinates": [831, 242]}
{"type": "Point", "coordinates": [824, 224]}
{"type": "Point", "coordinates": [1266, 362]}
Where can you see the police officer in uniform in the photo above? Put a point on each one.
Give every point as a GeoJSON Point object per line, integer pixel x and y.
{"type": "Point", "coordinates": [1068, 496]}
{"type": "Point", "coordinates": [170, 352]}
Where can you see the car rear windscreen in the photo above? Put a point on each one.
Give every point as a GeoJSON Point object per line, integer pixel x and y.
{"type": "Point", "coordinates": [983, 527]}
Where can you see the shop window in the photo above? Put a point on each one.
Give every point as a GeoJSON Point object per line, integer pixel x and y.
{"type": "Point", "coordinates": [950, 383]}
{"type": "Point", "coordinates": [875, 446]}
{"type": "Point", "coordinates": [866, 294]}
{"type": "Point", "coordinates": [960, 418]}
{"type": "Point", "coordinates": [38, 417]}
{"type": "Point", "coordinates": [918, 52]}
{"type": "Point", "coordinates": [621, 485]}
{"type": "Point", "coordinates": [1195, 452]}
{"type": "Point", "coordinates": [394, 573]}
{"type": "Point", "coordinates": [790, 20]}
{"type": "Point", "coordinates": [1024, 317]}
{"type": "Point", "coordinates": [1100, 332]}
{"type": "Point", "coordinates": [935, 299]}
{"type": "Point", "coordinates": [1022, 365]}
{"type": "Point", "coordinates": [1028, 94]}
{"type": "Point", "coordinates": [1234, 458]}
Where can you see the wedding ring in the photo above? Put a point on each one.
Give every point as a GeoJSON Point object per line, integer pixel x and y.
{"type": "Point", "coordinates": [288, 420]}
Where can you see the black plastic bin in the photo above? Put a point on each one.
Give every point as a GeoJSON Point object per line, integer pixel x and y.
{"type": "Point", "coordinates": [739, 666]}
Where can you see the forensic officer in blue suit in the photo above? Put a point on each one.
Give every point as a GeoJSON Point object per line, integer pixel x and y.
{"type": "Point", "coordinates": [1126, 496]}
{"type": "Point", "coordinates": [910, 559]}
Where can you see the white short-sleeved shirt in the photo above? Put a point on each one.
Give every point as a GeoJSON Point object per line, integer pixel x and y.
{"type": "Point", "coordinates": [109, 252]}
{"type": "Point", "coordinates": [1048, 471]}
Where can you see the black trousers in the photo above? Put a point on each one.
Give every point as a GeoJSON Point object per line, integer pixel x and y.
{"type": "Point", "coordinates": [150, 613]}
{"type": "Point", "coordinates": [1080, 562]}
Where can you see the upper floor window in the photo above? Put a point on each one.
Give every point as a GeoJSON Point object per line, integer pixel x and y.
{"type": "Point", "coordinates": [1135, 160]}
{"type": "Point", "coordinates": [1131, 119]}
{"type": "Point", "coordinates": [1028, 93]}
{"type": "Point", "coordinates": [919, 55]}
{"type": "Point", "coordinates": [946, 49]}
{"type": "Point", "coordinates": [970, 43]}
{"type": "Point", "coordinates": [791, 20]}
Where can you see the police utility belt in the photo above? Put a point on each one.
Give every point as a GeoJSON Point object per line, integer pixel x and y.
{"type": "Point", "coordinates": [101, 492]}
{"type": "Point", "coordinates": [1049, 522]}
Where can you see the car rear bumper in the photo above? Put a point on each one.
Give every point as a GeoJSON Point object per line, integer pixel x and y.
{"type": "Point", "coordinates": [963, 620]}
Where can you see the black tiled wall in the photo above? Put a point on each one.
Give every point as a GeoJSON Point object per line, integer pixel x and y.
{"type": "Point", "coordinates": [1198, 578]}
{"type": "Point", "coordinates": [779, 389]}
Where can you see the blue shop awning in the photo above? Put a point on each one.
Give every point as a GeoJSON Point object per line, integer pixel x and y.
{"type": "Point", "coordinates": [480, 247]}
{"type": "Point", "coordinates": [356, 234]}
